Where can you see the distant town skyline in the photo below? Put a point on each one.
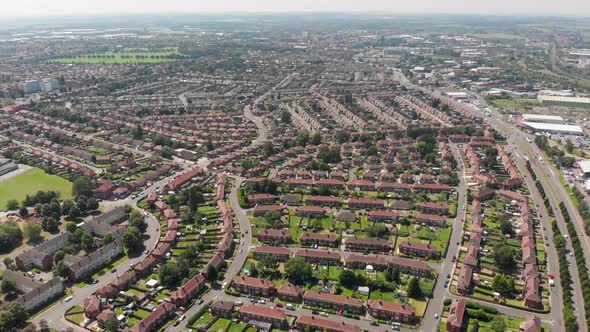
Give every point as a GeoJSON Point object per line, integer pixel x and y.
{"type": "Point", "coordinates": [25, 8]}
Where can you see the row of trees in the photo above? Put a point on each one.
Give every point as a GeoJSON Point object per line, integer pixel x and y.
{"type": "Point", "coordinates": [569, 316]}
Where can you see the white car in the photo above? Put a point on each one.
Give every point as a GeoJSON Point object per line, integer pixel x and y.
{"type": "Point", "coordinates": [68, 299]}
{"type": "Point", "coordinates": [261, 302]}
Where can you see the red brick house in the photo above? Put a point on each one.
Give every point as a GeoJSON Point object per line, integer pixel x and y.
{"type": "Point", "coordinates": [274, 236]}
{"type": "Point", "coordinates": [324, 240]}
{"type": "Point", "coordinates": [279, 254]}
{"type": "Point", "coordinates": [260, 210]}
{"type": "Point", "coordinates": [332, 301]}
{"type": "Point", "coordinates": [310, 211]}
{"type": "Point", "coordinates": [263, 199]}
{"type": "Point", "coordinates": [323, 200]}
{"type": "Point", "coordinates": [277, 318]}
{"type": "Point", "coordinates": [391, 311]}
{"type": "Point", "coordinates": [321, 324]}
{"type": "Point", "coordinates": [366, 203]}
{"type": "Point", "coordinates": [383, 216]}
{"type": "Point", "coordinates": [356, 261]}
{"type": "Point", "coordinates": [464, 280]}
{"type": "Point", "coordinates": [323, 257]}
{"type": "Point", "coordinates": [456, 316]}
{"type": "Point", "coordinates": [288, 292]}
{"type": "Point", "coordinates": [367, 244]}
{"type": "Point", "coordinates": [411, 266]}
{"type": "Point", "coordinates": [255, 286]}
{"type": "Point", "coordinates": [418, 249]}
{"type": "Point", "coordinates": [428, 207]}
{"type": "Point", "coordinates": [189, 290]}
{"type": "Point", "coordinates": [222, 308]}
{"type": "Point", "coordinates": [430, 220]}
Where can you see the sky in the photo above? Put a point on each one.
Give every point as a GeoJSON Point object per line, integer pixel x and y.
{"type": "Point", "coordinates": [25, 8]}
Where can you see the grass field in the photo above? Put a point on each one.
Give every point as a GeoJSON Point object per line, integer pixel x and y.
{"type": "Point", "coordinates": [29, 183]}
{"type": "Point", "coordinates": [129, 57]}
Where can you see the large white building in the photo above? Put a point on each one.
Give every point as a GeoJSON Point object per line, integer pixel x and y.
{"type": "Point", "coordinates": [554, 128]}
{"type": "Point", "coordinates": [44, 85]}
{"type": "Point", "coordinates": [542, 118]}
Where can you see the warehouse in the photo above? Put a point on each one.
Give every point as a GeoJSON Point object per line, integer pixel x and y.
{"type": "Point", "coordinates": [564, 101]}
{"type": "Point", "coordinates": [543, 118]}
{"type": "Point", "coordinates": [554, 128]}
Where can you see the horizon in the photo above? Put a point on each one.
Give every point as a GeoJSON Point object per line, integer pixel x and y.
{"type": "Point", "coordinates": [93, 8]}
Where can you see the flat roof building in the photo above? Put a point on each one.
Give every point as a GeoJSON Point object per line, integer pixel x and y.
{"type": "Point", "coordinates": [564, 101]}
{"type": "Point", "coordinates": [543, 118]}
{"type": "Point", "coordinates": [555, 128]}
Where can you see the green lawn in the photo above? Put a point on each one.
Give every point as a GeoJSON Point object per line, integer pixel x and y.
{"type": "Point", "coordinates": [220, 324]}
{"type": "Point", "coordinates": [29, 183]}
{"type": "Point", "coordinates": [121, 57]}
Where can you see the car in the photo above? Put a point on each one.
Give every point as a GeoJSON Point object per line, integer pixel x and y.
{"type": "Point", "coordinates": [323, 313]}
{"type": "Point", "coordinates": [113, 270]}
{"type": "Point", "coordinates": [435, 316]}
{"type": "Point", "coordinates": [176, 323]}
{"type": "Point", "coordinates": [551, 276]}
{"type": "Point", "coordinates": [68, 299]}
{"type": "Point", "coordinates": [279, 305]}
{"type": "Point", "coordinates": [453, 260]}
{"type": "Point", "coordinates": [448, 276]}
{"type": "Point", "coordinates": [95, 281]}
{"type": "Point", "coordinates": [261, 302]}
{"type": "Point", "coordinates": [315, 312]}
{"type": "Point", "coordinates": [340, 312]}
{"type": "Point", "coordinates": [181, 308]}
{"type": "Point", "coordinates": [239, 303]}
{"type": "Point", "coordinates": [241, 251]}
{"type": "Point", "coordinates": [253, 300]}
{"type": "Point", "coordinates": [182, 317]}
{"type": "Point", "coordinates": [374, 323]}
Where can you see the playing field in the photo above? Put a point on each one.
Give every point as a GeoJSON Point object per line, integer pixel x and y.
{"type": "Point", "coordinates": [122, 57]}
{"type": "Point", "coordinates": [29, 183]}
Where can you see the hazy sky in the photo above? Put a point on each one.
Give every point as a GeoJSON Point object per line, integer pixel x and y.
{"type": "Point", "coordinates": [14, 8]}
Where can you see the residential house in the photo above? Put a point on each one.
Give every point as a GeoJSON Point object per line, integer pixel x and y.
{"type": "Point", "coordinates": [333, 302]}
{"type": "Point", "coordinates": [391, 311]}
{"type": "Point", "coordinates": [418, 249]}
{"type": "Point", "coordinates": [254, 286]}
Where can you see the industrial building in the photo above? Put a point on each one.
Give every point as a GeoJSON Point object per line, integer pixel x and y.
{"type": "Point", "coordinates": [564, 101]}
{"type": "Point", "coordinates": [44, 85]}
{"type": "Point", "coordinates": [543, 118]}
{"type": "Point", "coordinates": [554, 128]}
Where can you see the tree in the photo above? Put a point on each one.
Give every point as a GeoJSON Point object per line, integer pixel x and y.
{"type": "Point", "coordinates": [61, 269]}
{"type": "Point", "coordinates": [503, 285]}
{"type": "Point", "coordinates": [12, 204]}
{"type": "Point", "coordinates": [212, 274]}
{"type": "Point", "coordinates": [74, 212]}
{"type": "Point", "coordinates": [285, 117]}
{"type": "Point", "coordinates": [504, 257]}
{"type": "Point", "coordinates": [298, 270]}
{"type": "Point", "coordinates": [71, 226]}
{"type": "Point", "coordinates": [316, 139]}
{"type": "Point", "coordinates": [8, 262]}
{"type": "Point", "coordinates": [91, 204]}
{"type": "Point", "coordinates": [19, 313]}
{"type": "Point", "coordinates": [66, 206]}
{"type": "Point", "coordinates": [392, 274]}
{"type": "Point", "coordinates": [132, 239]}
{"type": "Point", "coordinates": [413, 288]}
{"type": "Point", "coordinates": [137, 132]}
{"type": "Point", "coordinates": [136, 219]}
{"type": "Point", "coordinates": [23, 212]}
{"type": "Point", "coordinates": [506, 227]}
{"type": "Point", "coordinates": [348, 279]}
{"type": "Point", "coordinates": [7, 286]}
{"type": "Point", "coordinates": [111, 325]}
{"type": "Point", "coordinates": [83, 185]}
{"type": "Point", "coordinates": [498, 324]}
{"type": "Point", "coordinates": [377, 230]}
{"type": "Point", "coordinates": [107, 239]}
{"type": "Point", "coordinates": [11, 235]}
{"type": "Point", "coordinates": [209, 145]}
{"type": "Point", "coordinates": [50, 224]}
{"type": "Point", "coordinates": [169, 274]}
{"type": "Point", "coordinates": [33, 232]}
